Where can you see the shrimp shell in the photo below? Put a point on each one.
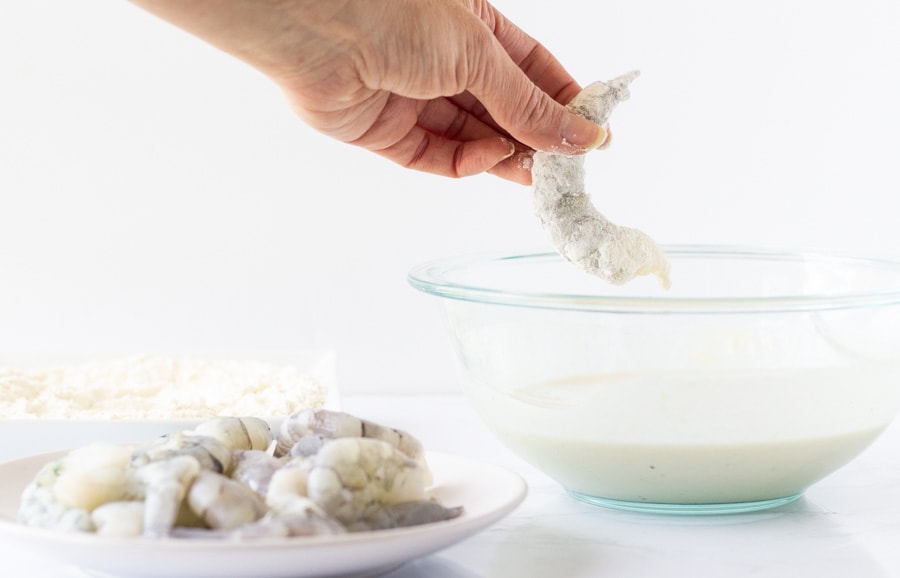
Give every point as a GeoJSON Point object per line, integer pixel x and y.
{"type": "Point", "coordinates": [211, 453]}
{"type": "Point", "coordinates": [329, 424]}
{"type": "Point", "coordinates": [238, 433]}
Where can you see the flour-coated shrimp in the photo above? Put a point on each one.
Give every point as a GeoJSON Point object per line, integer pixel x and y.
{"type": "Point", "coordinates": [576, 229]}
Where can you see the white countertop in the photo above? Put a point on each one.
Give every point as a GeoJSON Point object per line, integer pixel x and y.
{"type": "Point", "coordinates": [846, 525]}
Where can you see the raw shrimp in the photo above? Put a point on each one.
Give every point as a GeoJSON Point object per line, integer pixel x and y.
{"type": "Point", "coordinates": [92, 475]}
{"type": "Point", "coordinates": [308, 445]}
{"type": "Point", "coordinates": [66, 491]}
{"type": "Point", "coordinates": [163, 485]}
{"type": "Point", "coordinates": [324, 424]}
{"type": "Point", "coordinates": [310, 522]}
{"type": "Point", "coordinates": [288, 484]}
{"type": "Point", "coordinates": [351, 477]}
{"type": "Point", "coordinates": [209, 452]}
{"type": "Point", "coordinates": [238, 433]}
{"type": "Point", "coordinates": [580, 233]}
{"type": "Point", "coordinates": [119, 519]}
{"type": "Point", "coordinates": [211, 442]}
{"type": "Point", "coordinates": [404, 514]}
{"type": "Point", "coordinates": [40, 507]}
{"type": "Point", "coordinates": [290, 513]}
{"type": "Point", "coordinates": [314, 522]}
{"type": "Point", "coordinates": [223, 503]}
{"type": "Point", "coordinates": [254, 469]}
{"type": "Point", "coordinates": [216, 481]}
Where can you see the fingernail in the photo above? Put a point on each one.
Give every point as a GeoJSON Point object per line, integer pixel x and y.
{"type": "Point", "coordinates": [512, 147]}
{"type": "Point", "coordinates": [609, 137]}
{"type": "Point", "coordinates": [582, 133]}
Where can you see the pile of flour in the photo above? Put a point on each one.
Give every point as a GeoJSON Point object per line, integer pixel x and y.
{"type": "Point", "coordinates": [147, 387]}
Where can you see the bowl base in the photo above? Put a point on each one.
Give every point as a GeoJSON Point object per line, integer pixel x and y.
{"type": "Point", "coordinates": [684, 509]}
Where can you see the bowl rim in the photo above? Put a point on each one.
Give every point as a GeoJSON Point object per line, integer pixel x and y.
{"type": "Point", "coordinates": [431, 277]}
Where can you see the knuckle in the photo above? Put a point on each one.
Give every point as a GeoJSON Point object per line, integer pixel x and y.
{"type": "Point", "coordinates": [419, 153]}
{"type": "Point", "coordinates": [534, 106]}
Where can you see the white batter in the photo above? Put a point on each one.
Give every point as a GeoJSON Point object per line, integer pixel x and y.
{"type": "Point", "coordinates": [691, 438]}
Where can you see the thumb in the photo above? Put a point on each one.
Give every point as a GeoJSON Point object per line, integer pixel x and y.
{"type": "Point", "coordinates": [529, 114]}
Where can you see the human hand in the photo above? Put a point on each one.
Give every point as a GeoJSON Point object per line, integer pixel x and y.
{"type": "Point", "coordinates": [445, 86]}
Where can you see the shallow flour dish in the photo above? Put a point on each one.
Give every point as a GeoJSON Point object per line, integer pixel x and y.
{"type": "Point", "coordinates": [138, 399]}
{"type": "Point", "coordinates": [758, 374]}
{"type": "Point", "coordinates": [487, 493]}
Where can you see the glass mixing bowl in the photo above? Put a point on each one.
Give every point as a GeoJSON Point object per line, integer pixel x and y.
{"type": "Point", "coordinates": [756, 375]}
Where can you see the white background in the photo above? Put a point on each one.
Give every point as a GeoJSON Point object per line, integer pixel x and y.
{"type": "Point", "coordinates": [157, 194]}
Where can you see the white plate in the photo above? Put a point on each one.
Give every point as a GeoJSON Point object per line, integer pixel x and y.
{"type": "Point", "coordinates": [487, 493]}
